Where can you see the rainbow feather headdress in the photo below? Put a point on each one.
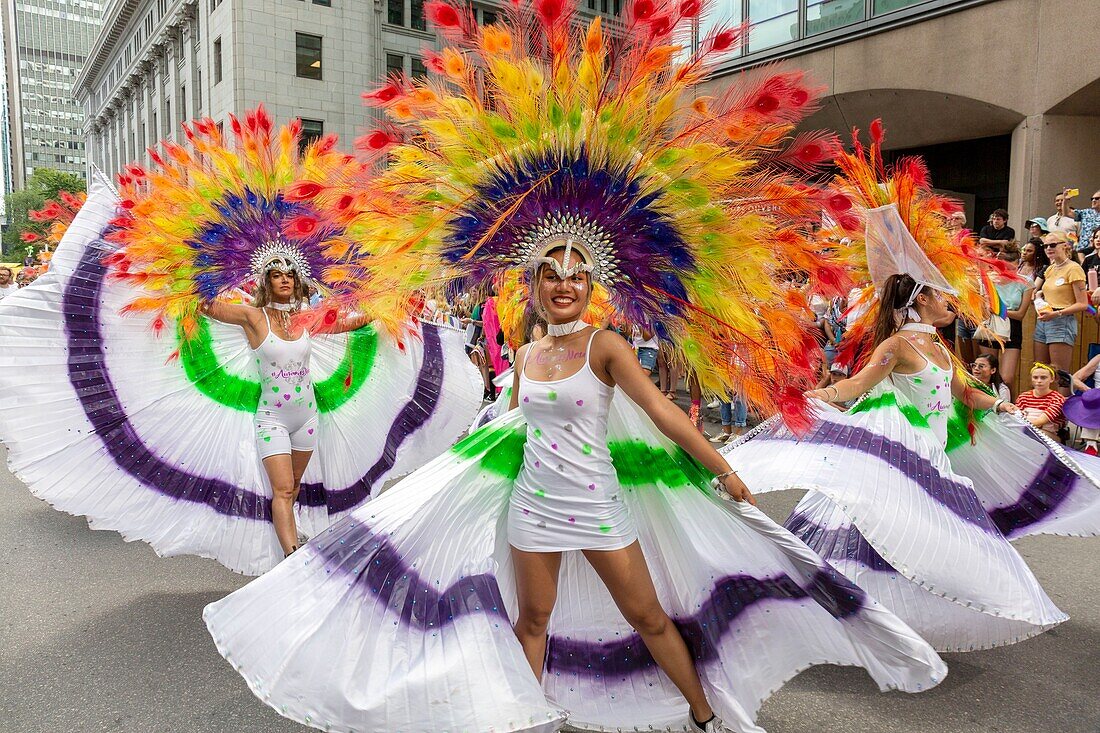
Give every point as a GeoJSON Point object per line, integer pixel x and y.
{"type": "Point", "coordinates": [536, 129]}
{"type": "Point", "coordinates": [899, 224]}
{"type": "Point", "coordinates": [213, 215]}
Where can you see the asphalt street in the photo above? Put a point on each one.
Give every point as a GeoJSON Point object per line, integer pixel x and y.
{"type": "Point", "coordinates": [102, 635]}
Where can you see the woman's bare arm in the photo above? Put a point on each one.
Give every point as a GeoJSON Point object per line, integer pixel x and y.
{"type": "Point", "coordinates": [886, 357]}
{"type": "Point", "coordinates": [231, 313]}
{"type": "Point", "coordinates": [617, 357]}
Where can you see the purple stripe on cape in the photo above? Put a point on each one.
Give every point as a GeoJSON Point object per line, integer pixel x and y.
{"type": "Point", "coordinates": [1048, 490]}
{"type": "Point", "coordinates": [704, 630]}
{"type": "Point", "coordinates": [839, 543]}
{"type": "Point", "coordinates": [353, 550]}
{"type": "Point", "coordinates": [81, 304]}
{"type": "Point", "coordinates": [956, 497]}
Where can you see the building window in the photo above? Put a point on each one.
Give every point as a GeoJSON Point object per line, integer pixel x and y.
{"type": "Point", "coordinates": [774, 22]}
{"type": "Point", "coordinates": [214, 4]}
{"type": "Point", "coordinates": [889, 6]}
{"type": "Point", "coordinates": [488, 17]}
{"type": "Point", "coordinates": [167, 118]}
{"type": "Point", "coordinates": [824, 15]}
{"type": "Point", "coordinates": [417, 20]}
{"type": "Point", "coordinates": [326, 3]}
{"type": "Point", "coordinates": [311, 130]}
{"type": "Point", "coordinates": [308, 55]}
{"type": "Point", "coordinates": [183, 102]}
{"type": "Point", "coordinates": [217, 61]}
{"type": "Point", "coordinates": [419, 71]}
{"type": "Point", "coordinates": [395, 12]}
{"type": "Point", "coordinates": [395, 64]}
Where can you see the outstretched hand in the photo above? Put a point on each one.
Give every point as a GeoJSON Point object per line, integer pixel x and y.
{"type": "Point", "coordinates": [736, 488]}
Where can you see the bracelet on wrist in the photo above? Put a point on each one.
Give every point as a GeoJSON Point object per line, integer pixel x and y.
{"type": "Point", "coordinates": [997, 404]}
{"type": "Point", "coordinates": [716, 482]}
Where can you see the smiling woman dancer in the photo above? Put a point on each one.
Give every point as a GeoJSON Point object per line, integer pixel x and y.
{"type": "Point", "coordinates": [286, 415]}
{"type": "Point", "coordinates": [571, 559]}
{"type": "Point", "coordinates": [160, 414]}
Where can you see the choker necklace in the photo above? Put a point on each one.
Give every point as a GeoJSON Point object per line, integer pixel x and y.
{"type": "Point", "coordinates": [564, 329]}
{"type": "Point", "coordinates": [921, 327]}
{"type": "Point", "coordinates": [284, 307]}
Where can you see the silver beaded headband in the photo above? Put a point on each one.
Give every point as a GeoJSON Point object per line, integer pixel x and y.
{"type": "Point", "coordinates": [579, 234]}
{"type": "Point", "coordinates": [278, 255]}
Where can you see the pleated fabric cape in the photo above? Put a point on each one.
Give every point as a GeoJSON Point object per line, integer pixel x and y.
{"type": "Point", "coordinates": [923, 527]}
{"type": "Point", "coordinates": [398, 618]}
{"type": "Point", "coordinates": [152, 435]}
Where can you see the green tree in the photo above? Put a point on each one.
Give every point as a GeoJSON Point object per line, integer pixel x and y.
{"type": "Point", "coordinates": [43, 185]}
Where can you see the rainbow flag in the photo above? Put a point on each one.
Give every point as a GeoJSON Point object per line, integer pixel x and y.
{"type": "Point", "coordinates": [996, 305]}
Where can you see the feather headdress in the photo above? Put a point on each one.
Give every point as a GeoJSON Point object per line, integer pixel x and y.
{"type": "Point", "coordinates": [195, 223]}
{"type": "Point", "coordinates": [921, 246]}
{"type": "Point", "coordinates": [55, 216]}
{"type": "Point", "coordinates": [536, 130]}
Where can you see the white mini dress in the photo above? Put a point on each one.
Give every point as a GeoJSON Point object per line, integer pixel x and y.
{"type": "Point", "coordinates": [567, 495]}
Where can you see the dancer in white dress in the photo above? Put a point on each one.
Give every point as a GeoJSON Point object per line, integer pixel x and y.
{"type": "Point", "coordinates": [915, 492]}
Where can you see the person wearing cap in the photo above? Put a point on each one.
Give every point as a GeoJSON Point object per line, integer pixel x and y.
{"type": "Point", "coordinates": [1037, 227]}
{"type": "Point", "coordinates": [1060, 294]}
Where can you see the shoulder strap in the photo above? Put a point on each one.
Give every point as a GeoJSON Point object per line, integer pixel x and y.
{"type": "Point", "coordinates": [588, 350]}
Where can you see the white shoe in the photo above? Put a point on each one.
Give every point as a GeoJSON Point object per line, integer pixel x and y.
{"type": "Point", "coordinates": [715, 725]}
{"type": "Point", "coordinates": [714, 405]}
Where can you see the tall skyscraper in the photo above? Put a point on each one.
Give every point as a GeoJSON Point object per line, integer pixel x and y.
{"type": "Point", "coordinates": [45, 46]}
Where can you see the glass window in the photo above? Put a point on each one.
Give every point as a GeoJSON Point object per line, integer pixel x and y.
{"type": "Point", "coordinates": [417, 21]}
{"type": "Point", "coordinates": [774, 22]}
{"type": "Point", "coordinates": [889, 6]}
{"type": "Point", "coordinates": [726, 13]}
{"type": "Point", "coordinates": [217, 61]}
{"type": "Point", "coordinates": [488, 17]}
{"type": "Point", "coordinates": [395, 64]}
{"type": "Point", "coordinates": [326, 3]}
{"type": "Point", "coordinates": [307, 55]}
{"type": "Point", "coordinates": [395, 12]}
{"type": "Point", "coordinates": [183, 101]}
{"type": "Point", "coordinates": [311, 130]}
{"type": "Point", "coordinates": [418, 68]}
{"type": "Point", "coordinates": [824, 15]}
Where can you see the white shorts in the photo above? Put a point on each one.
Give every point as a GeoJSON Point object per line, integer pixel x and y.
{"type": "Point", "coordinates": [274, 437]}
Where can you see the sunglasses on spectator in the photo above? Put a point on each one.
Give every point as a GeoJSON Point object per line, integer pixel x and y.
{"type": "Point", "coordinates": [1052, 246]}
{"type": "Point", "coordinates": [1096, 198]}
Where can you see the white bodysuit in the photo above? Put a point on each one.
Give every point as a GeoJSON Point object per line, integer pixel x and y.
{"type": "Point", "coordinates": [286, 416]}
{"type": "Point", "coordinates": [930, 392]}
{"type": "Point", "coordinates": [567, 495]}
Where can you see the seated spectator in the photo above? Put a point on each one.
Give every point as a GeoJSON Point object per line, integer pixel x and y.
{"type": "Point", "coordinates": [1042, 405]}
{"type": "Point", "coordinates": [956, 222]}
{"type": "Point", "coordinates": [1062, 219]}
{"type": "Point", "coordinates": [986, 370]}
{"type": "Point", "coordinates": [1083, 410]}
{"type": "Point", "coordinates": [1059, 296]}
{"type": "Point", "coordinates": [997, 230]}
{"type": "Point", "coordinates": [1037, 227]}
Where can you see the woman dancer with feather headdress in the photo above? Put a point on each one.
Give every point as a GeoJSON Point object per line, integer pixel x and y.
{"type": "Point", "coordinates": [570, 560]}
{"type": "Point", "coordinates": [183, 418]}
{"type": "Point", "coordinates": [915, 492]}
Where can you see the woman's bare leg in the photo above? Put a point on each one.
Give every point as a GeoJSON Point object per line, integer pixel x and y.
{"type": "Point", "coordinates": [284, 491]}
{"type": "Point", "coordinates": [537, 592]}
{"type": "Point", "coordinates": [1010, 359]}
{"type": "Point", "coordinates": [627, 577]}
{"type": "Point", "coordinates": [1061, 357]}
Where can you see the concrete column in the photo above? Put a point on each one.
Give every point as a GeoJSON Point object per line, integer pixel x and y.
{"type": "Point", "coordinates": [1050, 152]}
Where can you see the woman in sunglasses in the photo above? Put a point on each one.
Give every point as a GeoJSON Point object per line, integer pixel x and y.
{"type": "Point", "coordinates": [1059, 296]}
